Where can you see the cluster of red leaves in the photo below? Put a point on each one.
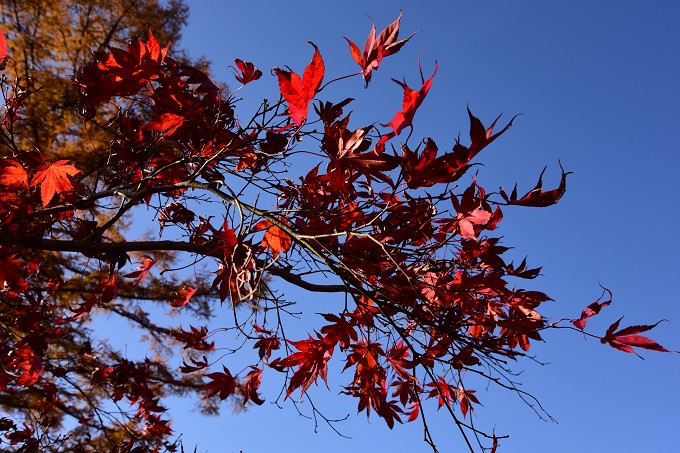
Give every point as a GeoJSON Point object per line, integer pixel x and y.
{"type": "Point", "coordinates": [430, 288]}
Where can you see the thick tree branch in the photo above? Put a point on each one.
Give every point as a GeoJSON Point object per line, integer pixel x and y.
{"type": "Point", "coordinates": [56, 245]}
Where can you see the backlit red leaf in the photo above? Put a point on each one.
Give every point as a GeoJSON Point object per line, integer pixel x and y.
{"type": "Point", "coordinates": [183, 296]}
{"type": "Point", "coordinates": [145, 264]}
{"type": "Point", "coordinates": [55, 179]}
{"type": "Point", "coordinates": [299, 92]}
{"type": "Point", "coordinates": [275, 239]}
{"type": "Point", "coordinates": [13, 176]}
{"type": "Point", "coordinates": [3, 50]}
{"type": "Point", "coordinates": [167, 123]}
{"type": "Point", "coordinates": [411, 102]}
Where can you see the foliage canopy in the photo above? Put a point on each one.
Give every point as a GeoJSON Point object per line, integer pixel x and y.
{"type": "Point", "coordinates": [397, 227]}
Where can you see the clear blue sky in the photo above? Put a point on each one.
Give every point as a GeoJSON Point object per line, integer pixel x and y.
{"type": "Point", "coordinates": [598, 84]}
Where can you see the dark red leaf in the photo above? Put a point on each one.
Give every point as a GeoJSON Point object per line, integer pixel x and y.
{"type": "Point", "coordinates": [592, 310]}
{"type": "Point", "coordinates": [223, 383]}
{"type": "Point", "coordinates": [626, 339]}
{"type": "Point", "coordinates": [536, 197]}
{"type": "Point", "coordinates": [376, 48]}
{"type": "Point", "coordinates": [246, 72]}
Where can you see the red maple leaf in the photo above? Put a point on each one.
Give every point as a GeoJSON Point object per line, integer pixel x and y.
{"type": "Point", "coordinates": [299, 92]}
{"type": "Point", "coordinates": [12, 174]}
{"type": "Point", "coordinates": [183, 296]}
{"type": "Point", "coordinates": [3, 51]}
{"type": "Point", "coordinates": [197, 365]}
{"type": "Point", "coordinates": [428, 169]}
{"type": "Point", "coordinates": [194, 339]}
{"type": "Point", "coordinates": [468, 221]}
{"type": "Point", "coordinates": [246, 72]}
{"type": "Point", "coordinates": [55, 179]}
{"type": "Point", "coordinates": [411, 102]}
{"type": "Point", "coordinates": [627, 338]}
{"type": "Point", "coordinates": [167, 123]}
{"type": "Point", "coordinates": [442, 390]}
{"type": "Point", "coordinates": [275, 239]}
{"type": "Point", "coordinates": [340, 332]}
{"type": "Point", "coordinates": [592, 310]}
{"type": "Point", "coordinates": [465, 399]}
{"type": "Point", "coordinates": [144, 267]}
{"type": "Point", "coordinates": [266, 343]}
{"type": "Point", "coordinates": [397, 356]}
{"type": "Point", "coordinates": [481, 136]}
{"type": "Point", "coordinates": [376, 48]}
{"type": "Point", "coordinates": [223, 383]}
{"type": "Point", "coordinates": [311, 360]}
{"type": "Point", "coordinates": [536, 197]}
{"type": "Point", "coordinates": [252, 383]}
{"type": "Point", "coordinates": [26, 363]}
{"type": "Point", "coordinates": [10, 269]}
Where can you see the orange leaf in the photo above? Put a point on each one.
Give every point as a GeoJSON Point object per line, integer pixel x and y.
{"type": "Point", "coordinates": [277, 240]}
{"type": "Point", "coordinates": [55, 178]}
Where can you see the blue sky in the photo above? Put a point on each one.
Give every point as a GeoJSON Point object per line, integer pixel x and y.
{"type": "Point", "coordinates": [598, 86]}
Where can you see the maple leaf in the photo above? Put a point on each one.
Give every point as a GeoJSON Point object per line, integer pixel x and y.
{"type": "Point", "coordinates": [627, 338]}
{"type": "Point", "coordinates": [376, 48]}
{"type": "Point", "coordinates": [467, 222]}
{"type": "Point", "coordinates": [252, 383]}
{"type": "Point", "coordinates": [246, 72]}
{"type": "Point", "coordinates": [183, 296]}
{"type": "Point", "coordinates": [266, 343]}
{"type": "Point", "coordinates": [12, 174]}
{"type": "Point", "coordinates": [465, 399]}
{"type": "Point", "coordinates": [144, 267]}
{"type": "Point", "coordinates": [397, 356]}
{"type": "Point", "coordinates": [299, 92]}
{"type": "Point", "coordinates": [3, 51]}
{"type": "Point", "coordinates": [428, 170]}
{"type": "Point", "coordinates": [481, 136]}
{"type": "Point", "coordinates": [536, 197]}
{"type": "Point", "coordinates": [411, 102]}
{"type": "Point", "coordinates": [167, 123]}
{"type": "Point", "coordinates": [55, 179]}
{"type": "Point", "coordinates": [223, 383]}
{"type": "Point", "coordinates": [442, 390]}
{"type": "Point", "coordinates": [275, 239]}
{"type": "Point", "coordinates": [197, 365]}
{"type": "Point", "coordinates": [592, 310]}
{"type": "Point", "coordinates": [340, 332]}
{"type": "Point", "coordinates": [194, 339]}
{"type": "Point", "coordinates": [24, 360]}
{"type": "Point", "coordinates": [311, 360]}
{"type": "Point", "coordinates": [10, 269]}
